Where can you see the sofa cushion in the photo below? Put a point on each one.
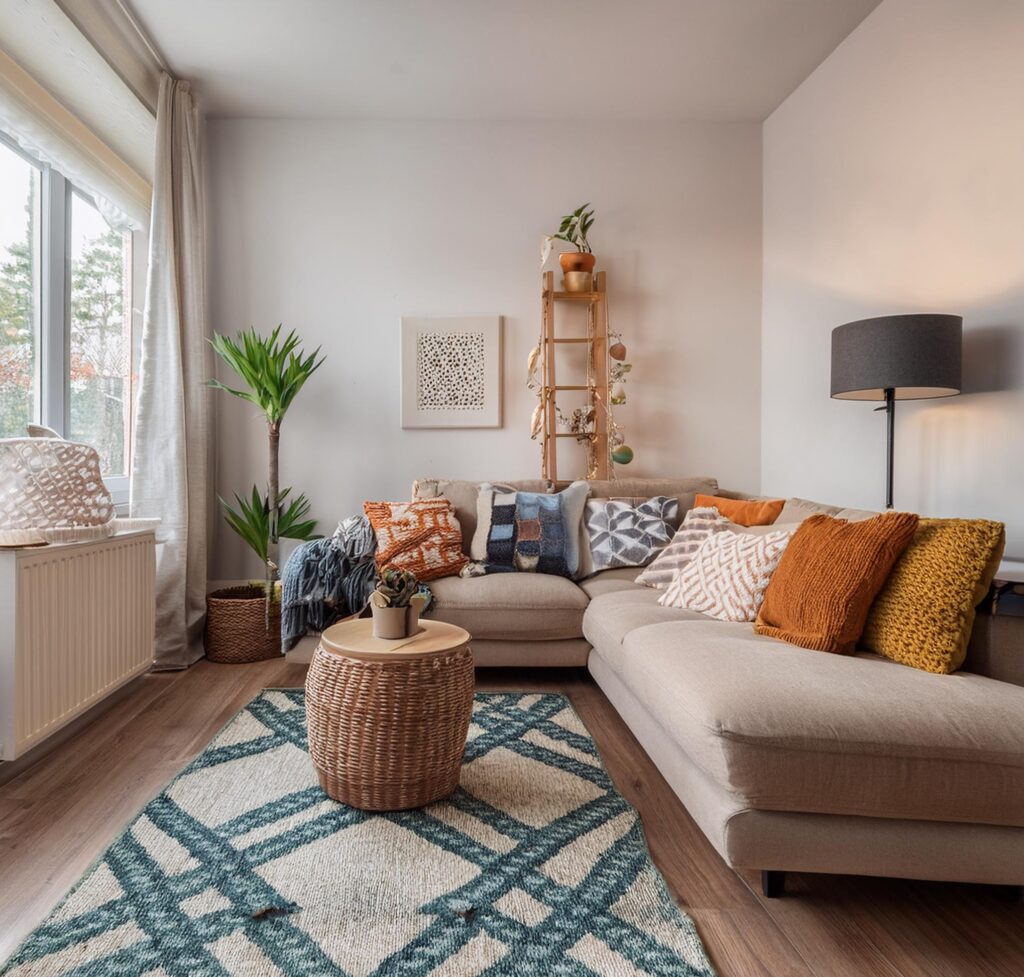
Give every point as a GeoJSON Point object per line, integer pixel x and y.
{"type": "Point", "coordinates": [625, 532]}
{"type": "Point", "coordinates": [790, 730]}
{"type": "Point", "coordinates": [797, 510]}
{"type": "Point", "coordinates": [614, 614]}
{"type": "Point", "coordinates": [462, 495]}
{"type": "Point", "coordinates": [608, 581]}
{"type": "Point", "coordinates": [743, 512]}
{"type": "Point", "coordinates": [924, 614]}
{"type": "Point", "coordinates": [684, 490]}
{"type": "Point", "coordinates": [728, 575]}
{"type": "Point", "coordinates": [424, 538]}
{"type": "Point", "coordinates": [529, 532]}
{"type": "Point", "coordinates": [827, 578]}
{"type": "Point", "coordinates": [527, 606]}
{"type": "Point", "coordinates": [698, 524]}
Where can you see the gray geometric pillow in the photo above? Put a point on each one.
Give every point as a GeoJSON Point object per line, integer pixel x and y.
{"type": "Point", "coordinates": [624, 534]}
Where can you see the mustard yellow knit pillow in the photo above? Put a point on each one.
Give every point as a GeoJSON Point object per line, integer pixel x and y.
{"type": "Point", "coordinates": [924, 614]}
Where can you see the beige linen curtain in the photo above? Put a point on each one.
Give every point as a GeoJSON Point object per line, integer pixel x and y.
{"type": "Point", "coordinates": [170, 460]}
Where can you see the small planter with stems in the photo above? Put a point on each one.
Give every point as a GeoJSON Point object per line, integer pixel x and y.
{"type": "Point", "coordinates": [243, 624]}
{"type": "Point", "coordinates": [578, 265]}
{"type": "Point", "coordinates": [396, 604]}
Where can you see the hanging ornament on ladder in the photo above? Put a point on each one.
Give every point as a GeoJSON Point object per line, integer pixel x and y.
{"type": "Point", "coordinates": [618, 372]}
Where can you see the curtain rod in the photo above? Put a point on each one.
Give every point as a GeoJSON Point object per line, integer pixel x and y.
{"type": "Point", "coordinates": [150, 46]}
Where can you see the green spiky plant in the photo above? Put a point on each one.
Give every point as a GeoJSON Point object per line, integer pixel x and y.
{"type": "Point", "coordinates": [274, 370]}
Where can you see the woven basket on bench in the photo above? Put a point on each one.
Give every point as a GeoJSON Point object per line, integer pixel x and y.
{"type": "Point", "coordinates": [51, 491]}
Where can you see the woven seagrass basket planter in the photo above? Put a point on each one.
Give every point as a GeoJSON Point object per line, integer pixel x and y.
{"type": "Point", "coordinates": [237, 630]}
{"type": "Point", "coordinates": [389, 735]}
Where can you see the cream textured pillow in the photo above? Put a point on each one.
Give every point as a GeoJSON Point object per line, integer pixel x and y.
{"type": "Point", "coordinates": [696, 527]}
{"type": "Point", "coordinates": [728, 575]}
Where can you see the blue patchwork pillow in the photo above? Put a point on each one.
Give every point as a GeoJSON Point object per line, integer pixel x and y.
{"type": "Point", "coordinates": [529, 532]}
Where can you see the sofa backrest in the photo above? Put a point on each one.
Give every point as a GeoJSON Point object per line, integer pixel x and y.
{"type": "Point", "coordinates": [462, 495]}
{"type": "Point", "coordinates": [796, 510]}
{"type": "Point", "coordinates": [682, 489]}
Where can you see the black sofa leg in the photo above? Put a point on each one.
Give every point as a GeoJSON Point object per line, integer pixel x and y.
{"type": "Point", "coordinates": [773, 884]}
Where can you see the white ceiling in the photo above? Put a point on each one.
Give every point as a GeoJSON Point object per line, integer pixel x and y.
{"type": "Point", "coordinates": [498, 59]}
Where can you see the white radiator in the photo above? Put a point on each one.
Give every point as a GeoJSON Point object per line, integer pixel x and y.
{"type": "Point", "coordinates": [76, 622]}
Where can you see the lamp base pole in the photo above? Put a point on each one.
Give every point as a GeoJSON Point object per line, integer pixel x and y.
{"type": "Point", "coordinates": [890, 427]}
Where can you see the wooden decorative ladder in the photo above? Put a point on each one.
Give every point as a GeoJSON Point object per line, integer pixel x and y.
{"type": "Point", "coordinates": [595, 383]}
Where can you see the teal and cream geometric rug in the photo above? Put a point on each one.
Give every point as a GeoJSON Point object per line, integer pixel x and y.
{"type": "Point", "coordinates": [536, 867]}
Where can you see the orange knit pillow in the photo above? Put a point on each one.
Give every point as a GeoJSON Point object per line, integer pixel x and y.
{"type": "Point", "coordinates": [743, 512]}
{"type": "Point", "coordinates": [424, 537]}
{"type": "Point", "coordinates": [830, 573]}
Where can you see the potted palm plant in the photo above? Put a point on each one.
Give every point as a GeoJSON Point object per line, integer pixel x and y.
{"type": "Point", "coordinates": [244, 623]}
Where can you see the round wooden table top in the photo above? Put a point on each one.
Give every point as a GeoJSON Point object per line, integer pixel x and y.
{"type": "Point", "coordinates": [354, 639]}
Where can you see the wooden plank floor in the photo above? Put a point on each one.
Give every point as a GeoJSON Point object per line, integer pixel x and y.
{"type": "Point", "coordinates": [58, 815]}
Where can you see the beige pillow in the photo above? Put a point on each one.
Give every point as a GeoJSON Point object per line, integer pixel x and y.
{"type": "Point", "coordinates": [697, 526]}
{"type": "Point", "coordinates": [728, 575]}
{"type": "Point", "coordinates": [797, 510]}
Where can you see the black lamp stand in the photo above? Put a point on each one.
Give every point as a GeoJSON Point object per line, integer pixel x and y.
{"type": "Point", "coordinates": [918, 355]}
{"type": "Point", "coordinates": [890, 428]}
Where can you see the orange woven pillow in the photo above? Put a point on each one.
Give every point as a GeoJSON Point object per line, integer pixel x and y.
{"type": "Point", "coordinates": [424, 537]}
{"type": "Point", "coordinates": [743, 512]}
{"type": "Point", "coordinates": [820, 595]}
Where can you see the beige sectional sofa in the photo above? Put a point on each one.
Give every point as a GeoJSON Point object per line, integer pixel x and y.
{"type": "Point", "coordinates": [787, 759]}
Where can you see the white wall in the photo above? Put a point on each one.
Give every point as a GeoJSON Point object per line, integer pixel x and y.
{"type": "Point", "coordinates": [894, 182]}
{"type": "Point", "coordinates": [340, 228]}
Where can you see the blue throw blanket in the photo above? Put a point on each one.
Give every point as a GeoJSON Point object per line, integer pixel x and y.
{"type": "Point", "coordinates": [327, 579]}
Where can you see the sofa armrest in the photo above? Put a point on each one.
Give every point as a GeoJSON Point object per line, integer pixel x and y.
{"type": "Point", "coordinates": [996, 648]}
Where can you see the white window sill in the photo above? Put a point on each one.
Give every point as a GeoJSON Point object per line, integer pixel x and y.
{"type": "Point", "coordinates": [119, 488]}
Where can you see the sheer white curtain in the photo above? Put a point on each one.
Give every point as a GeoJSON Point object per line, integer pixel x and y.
{"type": "Point", "coordinates": [170, 460]}
{"type": "Point", "coordinates": [47, 130]}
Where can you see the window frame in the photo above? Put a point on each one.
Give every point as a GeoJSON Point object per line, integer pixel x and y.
{"type": "Point", "coordinates": [53, 363]}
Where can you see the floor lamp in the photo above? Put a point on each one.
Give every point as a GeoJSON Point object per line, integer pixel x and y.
{"type": "Point", "coordinates": [896, 357]}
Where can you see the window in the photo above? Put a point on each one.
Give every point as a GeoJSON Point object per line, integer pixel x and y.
{"type": "Point", "coordinates": [67, 319]}
{"type": "Point", "coordinates": [100, 375]}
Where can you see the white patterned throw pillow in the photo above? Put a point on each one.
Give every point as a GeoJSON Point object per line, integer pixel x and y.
{"type": "Point", "coordinates": [624, 533]}
{"type": "Point", "coordinates": [698, 525]}
{"type": "Point", "coordinates": [728, 575]}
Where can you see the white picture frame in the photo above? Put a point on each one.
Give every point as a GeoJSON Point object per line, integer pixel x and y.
{"type": "Point", "coordinates": [451, 371]}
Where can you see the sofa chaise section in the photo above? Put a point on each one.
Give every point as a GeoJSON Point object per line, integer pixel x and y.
{"type": "Point", "coordinates": [797, 760]}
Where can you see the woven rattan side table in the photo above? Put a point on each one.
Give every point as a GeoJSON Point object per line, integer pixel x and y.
{"type": "Point", "coordinates": [387, 720]}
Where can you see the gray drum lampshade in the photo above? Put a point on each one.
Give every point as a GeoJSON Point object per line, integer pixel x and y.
{"type": "Point", "coordinates": [916, 356]}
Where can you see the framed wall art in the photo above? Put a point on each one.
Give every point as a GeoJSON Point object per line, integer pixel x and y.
{"type": "Point", "coordinates": [451, 371]}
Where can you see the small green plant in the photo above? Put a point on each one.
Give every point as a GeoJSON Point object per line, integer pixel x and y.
{"type": "Point", "coordinates": [573, 230]}
{"type": "Point", "coordinates": [274, 371]}
{"type": "Point", "coordinates": [397, 587]}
